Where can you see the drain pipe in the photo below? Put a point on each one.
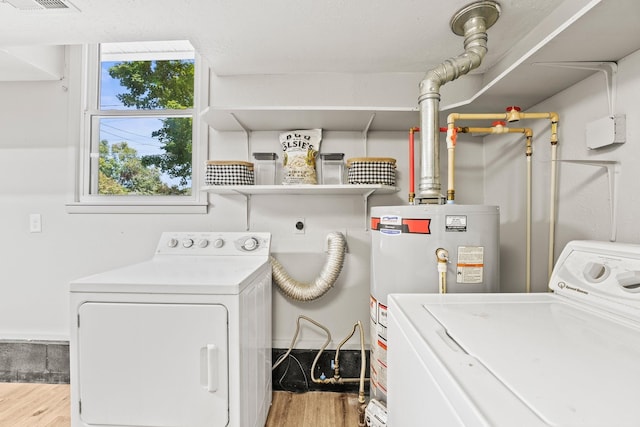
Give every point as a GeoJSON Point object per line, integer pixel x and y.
{"type": "Point", "coordinates": [471, 21]}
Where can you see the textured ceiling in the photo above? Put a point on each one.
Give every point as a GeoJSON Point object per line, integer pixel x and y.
{"type": "Point", "coordinates": [281, 36]}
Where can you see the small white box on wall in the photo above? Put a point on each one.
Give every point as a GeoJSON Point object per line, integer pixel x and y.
{"type": "Point", "coordinates": [606, 131]}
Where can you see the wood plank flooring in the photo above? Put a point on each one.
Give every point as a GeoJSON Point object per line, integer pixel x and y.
{"type": "Point", "coordinates": [47, 405]}
{"type": "Point", "coordinates": [317, 409]}
{"type": "Point", "coordinates": [34, 405]}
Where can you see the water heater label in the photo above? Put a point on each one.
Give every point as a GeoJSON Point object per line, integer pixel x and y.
{"type": "Point", "coordinates": [456, 223]}
{"type": "Point", "coordinates": [470, 267]}
{"type": "Point", "coordinates": [396, 225]}
{"type": "Point", "coordinates": [390, 224]}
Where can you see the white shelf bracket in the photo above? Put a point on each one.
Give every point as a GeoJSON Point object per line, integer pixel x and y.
{"type": "Point", "coordinates": [365, 198]}
{"type": "Point", "coordinates": [365, 134]}
{"type": "Point", "coordinates": [248, 205]}
{"type": "Point", "coordinates": [613, 169]}
{"type": "Point", "coordinates": [242, 125]}
{"type": "Point", "coordinates": [610, 70]}
{"type": "Point", "coordinates": [247, 133]}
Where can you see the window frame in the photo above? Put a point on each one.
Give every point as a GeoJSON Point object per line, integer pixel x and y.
{"type": "Point", "coordinates": [84, 201]}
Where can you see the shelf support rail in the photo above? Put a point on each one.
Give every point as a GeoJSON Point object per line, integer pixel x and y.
{"type": "Point", "coordinates": [613, 169]}
{"type": "Point", "coordinates": [365, 134]}
{"type": "Point", "coordinates": [365, 198]}
{"type": "Point", "coordinates": [247, 206]}
{"type": "Point", "coordinates": [608, 68]}
{"type": "Point", "coordinates": [247, 134]}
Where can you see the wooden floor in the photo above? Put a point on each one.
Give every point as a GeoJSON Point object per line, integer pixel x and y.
{"type": "Point", "coordinates": [34, 405]}
{"type": "Point", "coordinates": [316, 409]}
{"type": "Point", "coordinates": [47, 405]}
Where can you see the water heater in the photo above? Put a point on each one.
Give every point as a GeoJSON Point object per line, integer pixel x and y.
{"type": "Point", "coordinates": [404, 242]}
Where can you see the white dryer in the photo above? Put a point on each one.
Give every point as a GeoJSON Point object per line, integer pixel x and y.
{"type": "Point", "coordinates": [570, 357]}
{"type": "Point", "coordinates": [183, 339]}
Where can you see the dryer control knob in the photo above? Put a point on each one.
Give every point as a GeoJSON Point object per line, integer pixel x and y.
{"type": "Point", "coordinates": [172, 242]}
{"type": "Point", "coordinates": [218, 243]}
{"type": "Point", "coordinates": [187, 243]}
{"type": "Point", "coordinates": [250, 244]}
{"type": "Point", "coordinates": [203, 243]}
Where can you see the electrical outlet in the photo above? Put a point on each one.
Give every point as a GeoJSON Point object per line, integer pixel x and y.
{"type": "Point", "coordinates": [35, 223]}
{"type": "Point", "coordinates": [299, 226]}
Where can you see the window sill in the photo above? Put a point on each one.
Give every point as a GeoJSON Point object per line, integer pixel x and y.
{"type": "Point", "coordinates": [137, 208]}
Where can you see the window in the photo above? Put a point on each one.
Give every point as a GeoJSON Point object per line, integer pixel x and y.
{"type": "Point", "coordinates": [140, 131]}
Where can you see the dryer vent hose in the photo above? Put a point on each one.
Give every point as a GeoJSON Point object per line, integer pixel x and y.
{"type": "Point", "coordinates": [330, 271]}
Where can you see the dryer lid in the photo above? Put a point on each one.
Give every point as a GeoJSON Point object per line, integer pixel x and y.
{"type": "Point", "coordinates": [189, 274]}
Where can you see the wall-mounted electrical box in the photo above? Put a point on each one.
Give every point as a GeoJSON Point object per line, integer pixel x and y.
{"type": "Point", "coordinates": [606, 131]}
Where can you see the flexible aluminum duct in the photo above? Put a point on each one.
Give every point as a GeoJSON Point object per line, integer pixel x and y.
{"type": "Point", "coordinates": [328, 275]}
{"type": "Point", "coordinates": [472, 21]}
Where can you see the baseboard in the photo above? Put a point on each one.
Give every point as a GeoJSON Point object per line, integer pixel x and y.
{"type": "Point", "coordinates": [47, 362]}
{"type": "Point", "coordinates": [34, 361]}
{"type": "Point", "coordinates": [294, 374]}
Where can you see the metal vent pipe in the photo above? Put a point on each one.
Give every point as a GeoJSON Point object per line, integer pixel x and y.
{"type": "Point", "coordinates": [471, 21]}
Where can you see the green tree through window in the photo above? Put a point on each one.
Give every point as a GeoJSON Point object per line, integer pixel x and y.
{"type": "Point", "coordinates": [154, 85]}
{"type": "Point", "coordinates": [122, 172]}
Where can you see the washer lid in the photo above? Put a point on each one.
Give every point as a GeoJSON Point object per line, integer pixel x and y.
{"type": "Point", "coordinates": [178, 274]}
{"type": "Point", "coordinates": [570, 365]}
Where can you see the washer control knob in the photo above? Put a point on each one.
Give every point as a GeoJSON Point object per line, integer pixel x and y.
{"type": "Point", "coordinates": [187, 243]}
{"type": "Point", "coordinates": [250, 244]}
{"type": "Point", "coordinates": [172, 242]}
{"type": "Point", "coordinates": [596, 272]}
{"type": "Point", "coordinates": [218, 243]}
{"type": "Point", "coordinates": [203, 243]}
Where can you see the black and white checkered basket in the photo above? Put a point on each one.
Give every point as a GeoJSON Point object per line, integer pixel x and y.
{"type": "Point", "coordinates": [371, 170]}
{"type": "Point", "coordinates": [229, 172]}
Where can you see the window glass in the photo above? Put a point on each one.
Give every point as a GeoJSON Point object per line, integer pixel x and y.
{"type": "Point", "coordinates": [142, 128]}
{"type": "Point", "coordinates": [133, 159]}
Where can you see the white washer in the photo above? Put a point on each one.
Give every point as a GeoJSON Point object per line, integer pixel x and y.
{"type": "Point", "coordinates": [570, 357]}
{"type": "Point", "coordinates": [183, 339]}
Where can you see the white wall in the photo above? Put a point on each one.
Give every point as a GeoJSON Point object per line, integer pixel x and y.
{"type": "Point", "coordinates": [303, 255]}
{"type": "Point", "coordinates": [36, 171]}
{"type": "Point", "coordinates": [583, 193]}
{"type": "Point", "coordinates": [36, 152]}
{"type": "Point", "coordinates": [38, 137]}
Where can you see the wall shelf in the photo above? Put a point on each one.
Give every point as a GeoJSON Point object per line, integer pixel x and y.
{"type": "Point", "coordinates": [362, 190]}
{"type": "Point", "coordinates": [353, 119]}
{"type": "Point", "coordinates": [316, 190]}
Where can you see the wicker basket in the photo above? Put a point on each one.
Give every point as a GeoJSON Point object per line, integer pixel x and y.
{"type": "Point", "coordinates": [371, 170]}
{"type": "Point", "coordinates": [229, 172]}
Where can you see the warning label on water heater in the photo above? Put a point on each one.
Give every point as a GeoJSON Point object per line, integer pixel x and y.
{"type": "Point", "coordinates": [470, 266]}
{"type": "Point", "coordinates": [456, 223]}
